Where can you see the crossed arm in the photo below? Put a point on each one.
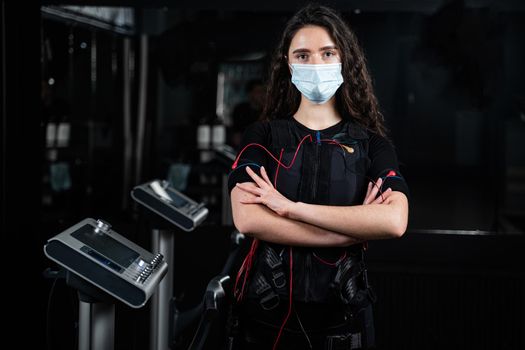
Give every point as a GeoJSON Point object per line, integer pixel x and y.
{"type": "Point", "coordinates": [262, 212]}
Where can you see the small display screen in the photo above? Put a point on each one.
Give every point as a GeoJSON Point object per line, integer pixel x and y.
{"type": "Point", "coordinates": [106, 245]}
{"type": "Point", "coordinates": [177, 200]}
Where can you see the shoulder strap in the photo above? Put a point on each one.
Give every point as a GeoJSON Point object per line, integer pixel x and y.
{"type": "Point", "coordinates": [356, 131]}
{"type": "Point", "coordinates": [351, 134]}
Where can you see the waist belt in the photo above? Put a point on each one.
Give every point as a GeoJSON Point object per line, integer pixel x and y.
{"type": "Point", "coordinates": [263, 334]}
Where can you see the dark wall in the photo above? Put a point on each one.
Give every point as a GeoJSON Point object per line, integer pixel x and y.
{"type": "Point", "coordinates": [449, 291]}
{"type": "Point", "coordinates": [20, 158]}
{"type": "Point", "coordinates": [450, 102]}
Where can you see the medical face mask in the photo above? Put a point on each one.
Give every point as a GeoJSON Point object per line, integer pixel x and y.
{"type": "Point", "coordinates": [317, 82]}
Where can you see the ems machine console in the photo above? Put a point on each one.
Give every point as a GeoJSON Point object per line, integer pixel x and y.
{"type": "Point", "coordinates": [170, 204]}
{"type": "Point", "coordinates": [104, 258]}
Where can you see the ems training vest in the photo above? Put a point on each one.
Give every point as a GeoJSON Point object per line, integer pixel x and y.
{"type": "Point", "coordinates": [326, 173]}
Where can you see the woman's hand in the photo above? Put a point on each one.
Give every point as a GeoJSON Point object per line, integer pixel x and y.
{"type": "Point", "coordinates": [372, 191]}
{"type": "Point", "coordinates": [264, 193]}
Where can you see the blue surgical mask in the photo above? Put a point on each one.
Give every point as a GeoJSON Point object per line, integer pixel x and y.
{"type": "Point", "coordinates": [317, 82]}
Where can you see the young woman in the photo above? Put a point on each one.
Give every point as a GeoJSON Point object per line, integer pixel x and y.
{"type": "Point", "coordinates": [312, 183]}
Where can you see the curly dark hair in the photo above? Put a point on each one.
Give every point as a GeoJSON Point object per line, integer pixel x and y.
{"type": "Point", "coordinates": [355, 98]}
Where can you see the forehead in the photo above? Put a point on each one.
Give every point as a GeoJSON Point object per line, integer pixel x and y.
{"type": "Point", "coordinates": [311, 37]}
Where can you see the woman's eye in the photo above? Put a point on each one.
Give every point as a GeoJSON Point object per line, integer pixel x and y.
{"type": "Point", "coordinates": [301, 57]}
{"type": "Point", "coordinates": [329, 53]}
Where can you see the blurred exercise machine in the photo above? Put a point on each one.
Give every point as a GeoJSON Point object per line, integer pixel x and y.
{"type": "Point", "coordinates": [213, 306]}
{"type": "Point", "coordinates": [168, 323]}
{"type": "Point", "coordinates": [184, 213]}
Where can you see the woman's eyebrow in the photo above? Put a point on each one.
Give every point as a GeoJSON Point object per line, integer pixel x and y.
{"type": "Point", "coordinates": [328, 47]}
{"type": "Point", "coordinates": [300, 51]}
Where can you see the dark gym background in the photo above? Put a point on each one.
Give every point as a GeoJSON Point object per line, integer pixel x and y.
{"type": "Point", "coordinates": [450, 78]}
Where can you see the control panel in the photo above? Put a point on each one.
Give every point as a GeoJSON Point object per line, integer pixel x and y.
{"type": "Point", "coordinates": [106, 259]}
{"type": "Point", "coordinates": [170, 204]}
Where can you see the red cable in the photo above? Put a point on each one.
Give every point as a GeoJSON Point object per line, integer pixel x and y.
{"type": "Point", "coordinates": [245, 267]}
{"type": "Point", "coordinates": [277, 170]}
{"type": "Point", "coordinates": [270, 153]}
{"type": "Point", "coordinates": [279, 163]}
{"type": "Point", "coordinates": [329, 263]}
{"type": "Point", "coordinates": [289, 303]}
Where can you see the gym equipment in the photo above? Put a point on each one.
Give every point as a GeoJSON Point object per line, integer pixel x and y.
{"type": "Point", "coordinates": [183, 212]}
{"type": "Point", "coordinates": [170, 204]}
{"type": "Point", "coordinates": [104, 266]}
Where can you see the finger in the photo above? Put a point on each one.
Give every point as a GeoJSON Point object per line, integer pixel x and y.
{"type": "Point", "coordinates": [369, 198]}
{"type": "Point", "coordinates": [249, 188]}
{"type": "Point", "coordinates": [382, 197]}
{"type": "Point", "coordinates": [378, 200]}
{"type": "Point", "coordinates": [255, 177]}
{"type": "Point", "coordinates": [265, 177]}
{"type": "Point", "coordinates": [251, 185]}
{"type": "Point", "coordinates": [373, 192]}
{"type": "Point", "coordinates": [387, 194]}
{"type": "Point", "coordinates": [376, 188]}
{"type": "Point", "coordinates": [247, 197]}
{"type": "Point", "coordinates": [251, 200]}
{"type": "Point", "coordinates": [368, 189]}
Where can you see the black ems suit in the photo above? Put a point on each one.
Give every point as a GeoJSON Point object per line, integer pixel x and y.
{"type": "Point", "coordinates": [331, 299]}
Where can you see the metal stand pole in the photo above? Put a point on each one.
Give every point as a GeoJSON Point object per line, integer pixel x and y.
{"type": "Point", "coordinates": [162, 242]}
{"type": "Point", "coordinates": [96, 326]}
